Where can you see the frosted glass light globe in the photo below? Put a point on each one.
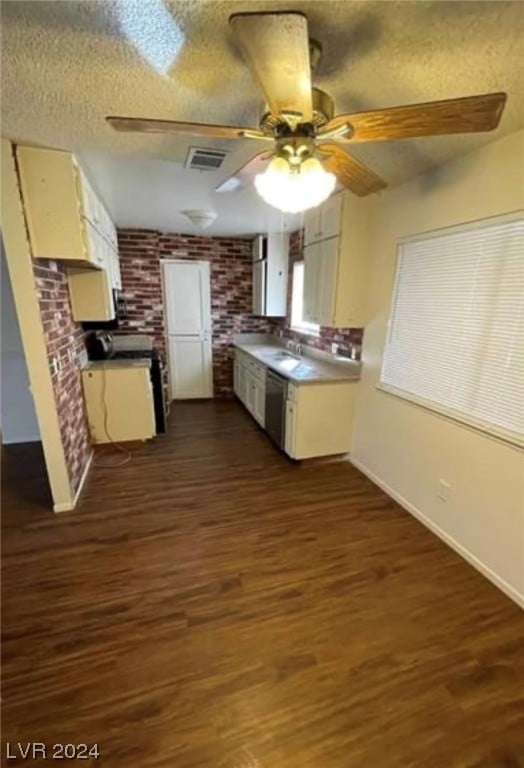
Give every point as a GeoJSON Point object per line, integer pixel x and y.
{"type": "Point", "coordinates": [294, 189]}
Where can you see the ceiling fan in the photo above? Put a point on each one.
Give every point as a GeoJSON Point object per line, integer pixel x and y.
{"type": "Point", "coordinates": [309, 143]}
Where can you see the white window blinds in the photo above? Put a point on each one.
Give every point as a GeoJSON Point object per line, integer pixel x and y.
{"type": "Point", "coordinates": [456, 332]}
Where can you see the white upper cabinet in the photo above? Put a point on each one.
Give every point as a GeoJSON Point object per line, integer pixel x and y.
{"type": "Point", "coordinates": [330, 217]}
{"type": "Point", "coordinates": [327, 281]}
{"type": "Point", "coordinates": [310, 305]}
{"type": "Point", "coordinates": [276, 277]}
{"type": "Point", "coordinates": [336, 267]}
{"type": "Point", "coordinates": [312, 226]}
{"type": "Point", "coordinates": [323, 221]}
{"type": "Point", "coordinates": [63, 212]}
{"type": "Point", "coordinates": [320, 272]}
{"type": "Point", "coordinates": [270, 270]}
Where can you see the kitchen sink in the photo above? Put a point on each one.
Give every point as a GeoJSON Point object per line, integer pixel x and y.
{"type": "Point", "coordinates": [288, 363]}
{"type": "Point", "coordinates": [291, 363]}
{"type": "Point", "coordinates": [284, 356]}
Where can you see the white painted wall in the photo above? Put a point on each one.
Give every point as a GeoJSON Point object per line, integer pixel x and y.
{"type": "Point", "coordinates": [407, 449]}
{"type": "Point", "coordinates": [19, 424]}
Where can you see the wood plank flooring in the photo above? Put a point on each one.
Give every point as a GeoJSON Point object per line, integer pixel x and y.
{"type": "Point", "coordinates": [212, 605]}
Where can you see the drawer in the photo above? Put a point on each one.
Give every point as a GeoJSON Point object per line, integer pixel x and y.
{"type": "Point", "coordinates": [259, 371]}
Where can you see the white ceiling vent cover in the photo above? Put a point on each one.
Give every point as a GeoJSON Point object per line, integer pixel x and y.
{"type": "Point", "coordinates": [202, 159]}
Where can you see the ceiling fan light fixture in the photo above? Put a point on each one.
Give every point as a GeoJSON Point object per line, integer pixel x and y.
{"type": "Point", "coordinates": [293, 189]}
{"type": "Point", "coordinates": [200, 218]}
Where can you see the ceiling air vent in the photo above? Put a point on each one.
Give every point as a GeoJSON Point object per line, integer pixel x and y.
{"type": "Point", "coordinates": [204, 159]}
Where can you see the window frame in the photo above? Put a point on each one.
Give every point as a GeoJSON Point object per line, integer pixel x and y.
{"type": "Point", "coordinates": [448, 413]}
{"type": "Point", "coordinates": [304, 327]}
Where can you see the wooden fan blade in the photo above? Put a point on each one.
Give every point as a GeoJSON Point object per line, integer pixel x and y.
{"type": "Point", "coordinates": [353, 174]}
{"type": "Point", "coordinates": [146, 125]}
{"type": "Point", "coordinates": [276, 49]}
{"type": "Point", "coordinates": [435, 118]}
{"type": "Point", "coordinates": [246, 173]}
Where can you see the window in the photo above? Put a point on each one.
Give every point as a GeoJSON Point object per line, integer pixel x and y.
{"type": "Point", "coordinates": [456, 331]}
{"type": "Point", "coordinates": [297, 320]}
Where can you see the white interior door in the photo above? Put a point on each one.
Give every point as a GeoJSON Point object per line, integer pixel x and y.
{"type": "Point", "coordinates": [187, 296]}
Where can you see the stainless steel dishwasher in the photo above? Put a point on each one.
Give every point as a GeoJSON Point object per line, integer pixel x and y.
{"type": "Point", "coordinates": [276, 396]}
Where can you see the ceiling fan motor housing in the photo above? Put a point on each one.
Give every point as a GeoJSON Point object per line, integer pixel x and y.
{"type": "Point", "coordinates": [295, 148]}
{"type": "Point", "coordinates": [323, 111]}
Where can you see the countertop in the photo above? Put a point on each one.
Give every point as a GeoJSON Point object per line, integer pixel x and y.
{"type": "Point", "coordinates": [303, 369]}
{"type": "Point", "coordinates": [104, 365]}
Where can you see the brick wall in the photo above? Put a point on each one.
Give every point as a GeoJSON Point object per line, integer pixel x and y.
{"type": "Point", "coordinates": [65, 343]}
{"type": "Point", "coordinates": [141, 252]}
{"type": "Point", "coordinates": [344, 337]}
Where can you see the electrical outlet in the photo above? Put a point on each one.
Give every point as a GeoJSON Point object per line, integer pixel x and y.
{"type": "Point", "coordinates": [443, 490]}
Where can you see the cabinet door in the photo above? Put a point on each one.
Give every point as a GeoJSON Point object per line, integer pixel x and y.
{"type": "Point", "coordinates": [88, 201]}
{"type": "Point", "coordinates": [48, 181]}
{"type": "Point", "coordinates": [236, 378]}
{"type": "Point", "coordinates": [111, 395]}
{"type": "Point", "coordinates": [290, 428]}
{"type": "Point", "coordinates": [276, 274]}
{"type": "Point", "coordinates": [311, 276]}
{"type": "Point", "coordinates": [260, 402]}
{"type": "Point", "coordinates": [259, 288]}
{"type": "Point", "coordinates": [242, 383]}
{"type": "Point", "coordinates": [330, 217]}
{"type": "Point", "coordinates": [116, 279]}
{"type": "Point", "coordinates": [90, 295]}
{"type": "Point", "coordinates": [250, 392]}
{"type": "Point", "coordinates": [312, 225]}
{"type": "Point", "coordinates": [96, 246]}
{"type": "Point", "coordinates": [327, 281]}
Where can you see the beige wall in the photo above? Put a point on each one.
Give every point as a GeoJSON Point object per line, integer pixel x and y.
{"type": "Point", "coordinates": [407, 449]}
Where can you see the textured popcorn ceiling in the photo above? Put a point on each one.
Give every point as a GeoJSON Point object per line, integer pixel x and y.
{"type": "Point", "coordinates": [65, 65]}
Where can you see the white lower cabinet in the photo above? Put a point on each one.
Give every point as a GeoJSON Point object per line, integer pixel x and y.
{"type": "Point", "coordinates": [236, 377]}
{"type": "Point", "coordinates": [250, 394]}
{"type": "Point", "coordinates": [319, 419]}
{"type": "Point", "coordinates": [290, 428]}
{"type": "Point", "coordinates": [259, 405]}
{"type": "Point", "coordinates": [249, 385]}
{"type": "Point", "coordinates": [319, 416]}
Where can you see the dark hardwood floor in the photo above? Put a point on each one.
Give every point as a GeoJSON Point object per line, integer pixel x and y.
{"type": "Point", "coordinates": [213, 605]}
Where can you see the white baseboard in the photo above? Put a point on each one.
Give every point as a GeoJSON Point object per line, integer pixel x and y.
{"type": "Point", "coordinates": [503, 585]}
{"type": "Point", "coordinates": [67, 506]}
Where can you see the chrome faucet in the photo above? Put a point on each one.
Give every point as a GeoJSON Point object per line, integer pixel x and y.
{"type": "Point", "coordinates": [294, 347]}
